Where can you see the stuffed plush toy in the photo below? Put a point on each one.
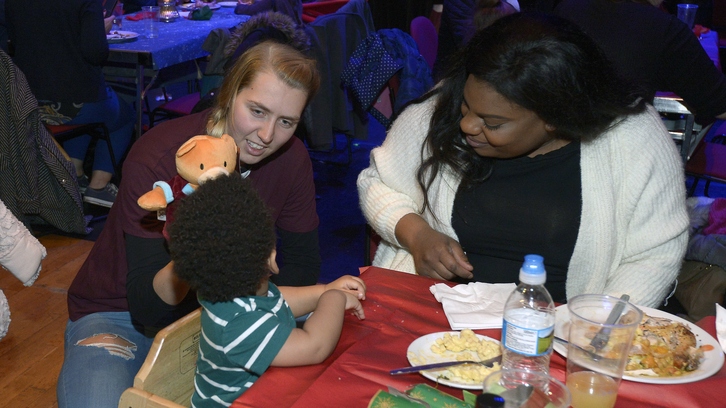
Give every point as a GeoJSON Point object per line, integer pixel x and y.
{"type": "Point", "coordinates": [199, 159]}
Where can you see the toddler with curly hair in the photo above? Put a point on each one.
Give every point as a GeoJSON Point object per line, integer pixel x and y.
{"type": "Point", "coordinates": [222, 243]}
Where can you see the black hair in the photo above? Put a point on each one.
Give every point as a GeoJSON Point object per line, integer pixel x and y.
{"type": "Point", "coordinates": [540, 62]}
{"type": "Point", "coordinates": [221, 239]}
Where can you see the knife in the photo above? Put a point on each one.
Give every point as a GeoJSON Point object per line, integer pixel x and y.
{"type": "Point", "coordinates": [486, 363]}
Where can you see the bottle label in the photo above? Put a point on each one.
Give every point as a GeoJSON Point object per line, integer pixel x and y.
{"type": "Point", "coordinates": [531, 342]}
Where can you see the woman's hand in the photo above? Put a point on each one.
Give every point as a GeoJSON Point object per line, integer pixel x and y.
{"type": "Point", "coordinates": [349, 284]}
{"type": "Point", "coordinates": [108, 23]}
{"type": "Point", "coordinates": [435, 255]}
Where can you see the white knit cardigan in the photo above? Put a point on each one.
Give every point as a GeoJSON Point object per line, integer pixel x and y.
{"type": "Point", "coordinates": [633, 226]}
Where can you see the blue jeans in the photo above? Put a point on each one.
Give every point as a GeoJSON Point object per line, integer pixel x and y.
{"type": "Point", "coordinates": [97, 369]}
{"type": "Point", "coordinates": [119, 119]}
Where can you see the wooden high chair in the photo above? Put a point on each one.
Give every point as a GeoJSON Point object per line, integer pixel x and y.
{"type": "Point", "coordinates": [166, 379]}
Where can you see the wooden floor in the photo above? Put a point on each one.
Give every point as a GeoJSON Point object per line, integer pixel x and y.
{"type": "Point", "coordinates": [31, 354]}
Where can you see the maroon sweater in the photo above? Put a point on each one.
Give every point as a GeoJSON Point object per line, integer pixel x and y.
{"type": "Point", "coordinates": [283, 180]}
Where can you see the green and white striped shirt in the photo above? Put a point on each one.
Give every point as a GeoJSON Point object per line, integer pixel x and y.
{"type": "Point", "coordinates": [239, 341]}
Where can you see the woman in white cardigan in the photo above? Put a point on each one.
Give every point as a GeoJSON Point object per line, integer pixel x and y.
{"type": "Point", "coordinates": [537, 148]}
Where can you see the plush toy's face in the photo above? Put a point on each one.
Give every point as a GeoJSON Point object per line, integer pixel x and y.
{"type": "Point", "coordinates": [203, 154]}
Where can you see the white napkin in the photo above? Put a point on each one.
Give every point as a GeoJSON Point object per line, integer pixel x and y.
{"type": "Point", "coordinates": [721, 326]}
{"type": "Point", "coordinates": [476, 305]}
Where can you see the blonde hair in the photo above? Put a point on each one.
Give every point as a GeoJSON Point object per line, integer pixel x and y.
{"type": "Point", "coordinates": [289, 65]}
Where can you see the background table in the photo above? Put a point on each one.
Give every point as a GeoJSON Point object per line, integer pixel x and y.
{"type": "Point", "coordinates": [179, 41]}
{"type": "Point", "coordinates": [400, 308]}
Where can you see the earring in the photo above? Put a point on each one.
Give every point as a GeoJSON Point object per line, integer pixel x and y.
{"type": "Point", "coordinates": [549, 127]}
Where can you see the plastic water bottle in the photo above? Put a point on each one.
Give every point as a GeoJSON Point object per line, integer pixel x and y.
{"type": "Point", "coordinates": [529, 320]}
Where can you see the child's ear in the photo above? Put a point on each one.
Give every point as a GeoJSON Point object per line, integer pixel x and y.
{"type": "Point", "coordinates": [272, 264]}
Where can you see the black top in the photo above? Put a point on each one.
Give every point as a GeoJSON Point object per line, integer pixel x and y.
{"type": "Point", "coordinates": [59, 46]}
{"type": "Point", "coordinates": [527, 206]}
{"type": "Point", "coordinates": [653, 49]}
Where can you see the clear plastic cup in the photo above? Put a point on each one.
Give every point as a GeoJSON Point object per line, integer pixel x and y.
{"type": "Point", "coordinates": [151, 20]}
{"type": "Point", "coordinates": [598, 349]}
{"type": "Point", "coordinates": [519, 386]}
{"type": "Point", "coordinates": [687, 14]}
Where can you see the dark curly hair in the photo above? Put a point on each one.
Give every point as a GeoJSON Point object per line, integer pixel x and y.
{"type": "Point", "coordinates": [542, 63]}
{"type": "Point", "coordinates": [221, 239]}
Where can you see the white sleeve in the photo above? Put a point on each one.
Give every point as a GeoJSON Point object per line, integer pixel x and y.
{"type": "Point", "coordinates": [388, 189]}
{"type": "Point", "coordinates": [654, 197]}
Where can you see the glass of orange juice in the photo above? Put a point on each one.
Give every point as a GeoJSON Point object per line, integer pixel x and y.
{"type": "Point", "coordinates": [601, 331]}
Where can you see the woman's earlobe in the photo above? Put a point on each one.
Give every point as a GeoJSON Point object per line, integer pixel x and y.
{"type": "Point", "coordinates": [272, 264]}
{"type": "Point", "coordinates": [549, 128]}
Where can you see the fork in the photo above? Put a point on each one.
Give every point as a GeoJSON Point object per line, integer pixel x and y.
{"type": "Point", "coordinates": [487, 363]}
{"type": "Point", "coordinates": [594, 356]}
{"type": "Point", "coordinates": [603, 335]}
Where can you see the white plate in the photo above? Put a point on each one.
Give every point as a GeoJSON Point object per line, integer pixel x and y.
{"type": "Point", "coordinates": [421, 348]}
{"type": "Point", "coordinates": [228, 3]}
{"type": "Point", "coordinates": [191, 6]}
{"type": "Point", "coordinates": [711, 363]}
{"type": "Point", "coordinates": [120, 36]}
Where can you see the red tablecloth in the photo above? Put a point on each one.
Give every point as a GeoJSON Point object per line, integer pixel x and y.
{"type": "Point", "coordinates": [400, 308]}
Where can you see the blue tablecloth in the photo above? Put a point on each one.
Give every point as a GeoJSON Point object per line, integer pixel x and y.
{"type": "Point", "coordinates": [178, 41]}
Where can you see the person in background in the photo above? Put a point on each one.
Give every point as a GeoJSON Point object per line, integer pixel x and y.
{"type": "Point", "coordinates": [460, 19]}
{"type": "Point", "coordinates": [653, 49]}
{"type": "Point", "coordinates": [222, 242]}
{"type": "Point", "coordinates": [531, 144]}
{"type": "Point", "coordinates": [132, 6]}
{"type": "Point", "coordinates": [61, 51]}
{"type": "Point", "coordinates": [3, 28]}
{"type": "Point", "coordinates": [292, 8]}
{"type": "Point", "coordinates": [126, 289]}
{"type": "Point", "coordinates": [541, 6]}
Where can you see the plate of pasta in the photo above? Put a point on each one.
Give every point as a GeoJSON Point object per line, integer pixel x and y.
{"type": "Point", "coordinates": [455, 346]}
{"type": "Point", "coordinates": [666, 350]}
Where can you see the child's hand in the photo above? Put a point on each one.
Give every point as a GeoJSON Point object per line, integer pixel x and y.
{"type": "Point", "coordinates": [353, 304]}
{"type": "Point", "coordinates": [349, 284]}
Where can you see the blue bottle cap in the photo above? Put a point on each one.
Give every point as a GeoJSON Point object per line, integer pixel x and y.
{"type": "Point", "coordinates": [533, 270]}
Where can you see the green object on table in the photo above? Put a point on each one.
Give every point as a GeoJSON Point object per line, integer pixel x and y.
{"type": "Point", "coordinates": [383, 399]}
{"type": "Point", "coordinates": [422, 392]}
{"type": "Point", "coordinates": [469, 397]}
{"type": "Point", "coordinates": [204, 13]}
{"type": "Point", "coordinates": [435, 398]}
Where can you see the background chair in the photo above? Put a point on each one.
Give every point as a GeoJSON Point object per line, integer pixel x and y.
{"type": "Point", "coordinates": [311, 11]}
{"type": "Point", "coordinates": [680, 123]}
{"type": "Point", "coordinates": [384, 55]}
{"type": "Point", "coordinates": [708, 161]}
{"type": "Point", "coordinates": [122, 78]}
{"type": "Point", "coordinates": [334, 38]}
{"type": "Point", "coordinates": [97, 131]}
{"type": "Point", "coordinates": [372, 239]}
{"type": "Point", "coordinates": [424, 33]}
{"type": "Point", "coordinates": [166, 379]}
{"type": "Point", "coordinates": [174, 108]}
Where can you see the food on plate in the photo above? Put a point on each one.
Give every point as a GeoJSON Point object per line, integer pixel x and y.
{"type": "Point", "coordinates": [466, 340]}
{"type": "Point", "coordinates": [463, 344]}
{"type": "Point", "coordinates": [664, 348]}
{"type": "Point", "coordinates": [120, 35]}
